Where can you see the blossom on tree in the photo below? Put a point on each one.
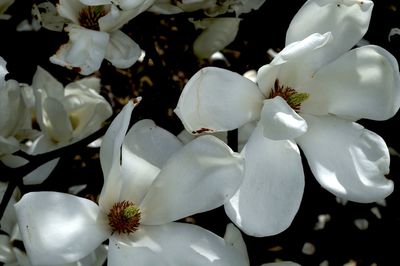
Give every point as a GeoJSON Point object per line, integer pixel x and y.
{"type": "Point", "coordinates": [150, 180]}
{"type": "Point", "coordinates": [310, 95]}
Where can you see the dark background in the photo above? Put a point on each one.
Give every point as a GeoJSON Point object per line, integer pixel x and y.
{"type": "Point", "coordinates": [160, 78]}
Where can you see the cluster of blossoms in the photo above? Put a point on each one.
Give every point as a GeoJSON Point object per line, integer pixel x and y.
{"type": "Point", "coordinates": [308, 98]}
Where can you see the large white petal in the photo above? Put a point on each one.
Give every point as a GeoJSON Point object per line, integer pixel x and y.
{"type": "Point", "coordinates": [84, 51]}
{"type": "Point", "coordinates": [280, 121]}
{"type": "Point", "coordinates": [59, 228]}
{"type": "Point", "coordinates": [122, 51]}
{"type": "Point", "coordinates": [347, 20]}
{"type": "Point", "coordinates": [201, 176]}
{"type": "Point", "coordinates": [363, 83]}
{"type": "Point", "coordinates": [43, 80]}
{"type": "Point", "coordinates": [347, 159]}
{"type": "Point", "coordinates": [216, 99]}
{"type": "Point", "coordinates": [272, 189]}
{"type": "Point", "coordinates": [177, 244]}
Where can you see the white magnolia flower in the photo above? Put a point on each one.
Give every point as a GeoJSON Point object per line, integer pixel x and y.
{"type": "Point", "coordinates": [151, 180]}
{"type": "Point", "coordinates": [15, 120]}
{"type": "Point", "coordinates": [311, 94]}
{"type": "Point", "coordinates": [4, 5]}
{"type": "Point", "coordinates": [94, 35]}
{"type": "Point", "coordinates": [64, 115]}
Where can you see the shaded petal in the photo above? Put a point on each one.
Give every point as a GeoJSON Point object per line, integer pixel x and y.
{"type": "Point", "coordinates": [177, 244]}
{"type": "Point", "coordinates": [6, 253]}
{"type": "Point", "coordinates": [280, 121]}
{"type": "Point", "coordinates": [56, 121]}
{"type": "Point", "coordinates": [295, 64]}
{"type": "Point", "coordinates": [363, 83]}
{"type": "Point", "coordinates": [122, 51]}
{"type": "Point", "coordinates": [219, 33]}
{"type": "Point", "coordinates": [272, 189]}
{"type": "Point", "coordinates": [84, 51]}
{"type": "Point", "coordinates": [233, 237]}
{"type": "Point", "coordinates": [44, 81]}
{"type": "Point", "coordinates": [216, 99]}
{"type": "Point", "coordinates": [66, 229]}
{"type": "Point", "coordinates": [3, 71]}
{"type": "Point", "coordinates": [70, 9]}
{"type": "Point", "coordinates": [347, 21]}
{"type": "Point", "coordinates": [201, 176]}
{"type": "Point", "coordinates": [95, 2]}
{"type": "Point", "coordinates": [41, 173]}
{"type": "Point", "coordinates": [150, 142]}
{"type": "Point", "coordinates": [347, 159]}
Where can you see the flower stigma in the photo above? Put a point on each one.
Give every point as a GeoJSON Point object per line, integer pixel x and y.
{"type": "Point", "coordinates": [124, 217]}
{"type": "Point", "coordinates": [89, 16]}
{"type": "Point", "coordinates": [291, 96]}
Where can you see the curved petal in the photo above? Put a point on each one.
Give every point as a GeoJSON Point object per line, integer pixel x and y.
{"type": "Point", "coordinates": [6, 253]}
{"type": "Point", "coordinates": [215, 99]}
{"type": "Point", "coordinates": [44, 81]}
{"type": "Point", "coordinates": [295, 64]}
{"type": "Point", "coordinates": [110, 157]}
{"type": "Point", "coordinates": [110, 150]}
{"type": "Point", "coordinates": [41, 173]}
{"type": "Point", "coordinates": [233, 237]}
{"type": "Point", "coordinates": [150, 142]}
{"type": "Point", "coordinates": [202, 176]}
{"type": "Point", "coordinates": [177, 244]}
{"type": "Point", "coordinates": [271, 192]}
{"type": "Point", "coordinates": [280, 121]}
{"type": "Point", "coordinates": [347, 159]}
{"type": "Point", "coordinates": [219, 33]}
{"type": "Point", "coordinates": [84, 51]}
{"type": "Point", "coordinates": [363, 83]}
{"type": "Point", "coordinates": [347, 21]}
{"type": "Point", "coordinates": [66, 229]}
{"type": "Point", "coordinates": [122, 51]}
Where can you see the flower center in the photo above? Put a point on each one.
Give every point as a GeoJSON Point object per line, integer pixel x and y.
{"type": "Point", "coordinates": [124, 217]}
{"type": "Point", "coordinates": [89, 16]}
{"type": "Point", "coordinates": [291, 96]}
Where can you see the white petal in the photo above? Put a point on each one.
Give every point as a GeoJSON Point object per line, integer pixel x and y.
{"type": "Point", "coordinates": [347, 21]}
{"type": "Point", "coordinates": [177, 244]}
{"type": "Point", "coordinates": [84, 51]}
{"type": "Point", "coordinates": [110, 157]}
{"type": "Point", "coordinates": [3, 71]}
{"type": "Point", "coordinates": [152, 143]}
{"type": "Point", "coordinates": [280, 121]}
{"type": "Point", "coordinates": [122, 51]}
{"type": "Point", "coordinates": [59, 228]}
{"type": "Point", "coordinates": [41, 173]}
{"type": "Point", "coordinates": [295, 64]}
{"type": "Point", "coordinates": [219, 33]}
{"type": "Point", "coordinates": [95, 2]}
{"type": "Point", "coordinates": [233, 237]}
{"type": "Point", "coordinates": [201, 176]}
{"type": "Point", "coordinates": [110, 150]}
{"type": "Point", "coordinates": [216, 99]}
{"type": "Point", "coordinates": [272, 189]}
{"type": "Point", "coordinates": [44, 81]}
{"type": "Point", "coordinates": [347, 159]}
{"type": "Point", "coordinates": [6, 252]}
{"type": "Point", "coordinates": [363, 83]}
